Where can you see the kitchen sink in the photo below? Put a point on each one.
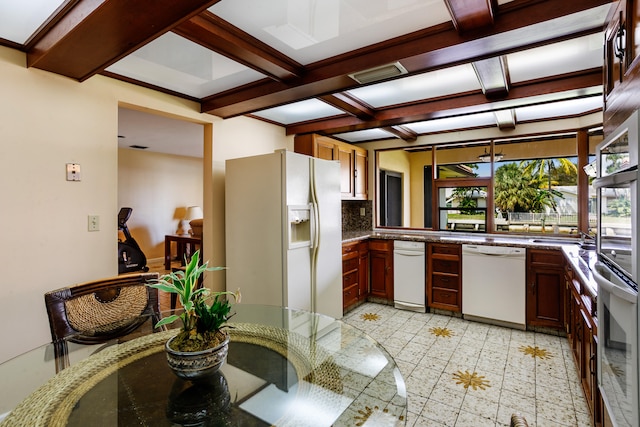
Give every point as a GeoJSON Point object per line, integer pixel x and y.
{"type": "Point", "coordinates": [554, 241]}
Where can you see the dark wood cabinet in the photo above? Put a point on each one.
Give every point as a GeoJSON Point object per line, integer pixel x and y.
{"type": "Point", "coordinates": [545, 288]}
{"type": "Point", "coordinates": [353, 162]}
{"type": "Point", "coordinates": [622, 63]}
{"type": "Point", "coordinates": [581, 325]}
{"type": "Point", "coordinates": [355, 273]}
{"type": "Point", "coordinates": [381, 269]}
{"type": "Point", "coordinates": [444, 273]}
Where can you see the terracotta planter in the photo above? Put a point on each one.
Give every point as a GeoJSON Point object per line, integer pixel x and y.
{"type": "Point", "coordinates": [196, 365]}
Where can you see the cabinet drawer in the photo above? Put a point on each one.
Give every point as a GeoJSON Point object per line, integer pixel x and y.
{"type": "Point", "coordinates": [349, 248]}
{"type": "Point", "coordinates": [445, 266]}
{"type": "Point", "coordinates": [380, 245]}
{"type": "Point", "coordinates": [350, 295]}
{"type": "Point", "coordinates": [444, 296]}
{"type": "Point", "coordinates": [446, 281]}
{"type": "Point", "coordinates": [445, 249]}
{"type": "Point", "coordinates": [350, 264]}
{"type": "Point", "coordinates": [350, 279]}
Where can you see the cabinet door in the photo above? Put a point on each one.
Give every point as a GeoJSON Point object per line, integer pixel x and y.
{"type": "Point", "coordinates": [363, 270]}
{"type": "Point", "coordinates": [325, 149]}
{"type": "Point", "coordinates": [360, 175]}
{"type": "Point", "coordinates": [545, 288]}
{"type": "Point", "coordinates": [345, 155]}
{"type": "Point", "coordinates": [381, 270]}
{"type": "Point", "coordinates": [545, 296]}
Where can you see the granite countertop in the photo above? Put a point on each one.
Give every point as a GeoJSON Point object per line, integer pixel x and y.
{"type": "Point", "coordinates": [581, 260]}
{"type": "Point", "coordinates": [461, 238]}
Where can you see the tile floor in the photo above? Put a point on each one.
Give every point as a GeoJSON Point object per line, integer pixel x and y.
{"type": "Point", "coordinates": [461, 373]}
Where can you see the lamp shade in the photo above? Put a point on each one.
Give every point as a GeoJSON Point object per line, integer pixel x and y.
{"type": "Point", "coordinates": [194, 212]}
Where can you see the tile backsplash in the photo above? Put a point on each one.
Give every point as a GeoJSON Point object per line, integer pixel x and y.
{"type": "Point", "coordinates": [351, 218]}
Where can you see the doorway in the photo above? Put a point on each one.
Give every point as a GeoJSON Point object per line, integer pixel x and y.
{"type": "Point", "coordinates": [390, 199]}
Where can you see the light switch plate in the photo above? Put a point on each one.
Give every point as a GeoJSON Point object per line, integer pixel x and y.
{"type": "Point", "coordinates": [73, 172]}
{"type": "Point", "coordinates": [94, 223]}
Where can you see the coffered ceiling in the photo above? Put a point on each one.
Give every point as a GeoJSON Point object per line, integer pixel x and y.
{"type": "Point", "coordinates": [359, 70]}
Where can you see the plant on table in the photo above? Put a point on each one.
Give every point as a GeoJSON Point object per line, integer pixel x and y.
{"type": "Point", "coordinates": [205, 312]}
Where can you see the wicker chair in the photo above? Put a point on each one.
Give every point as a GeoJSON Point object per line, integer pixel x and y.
{"type": "Point", "coordinates": [99, 311]}
{"type": "Point", "coordinates": [518, 420]}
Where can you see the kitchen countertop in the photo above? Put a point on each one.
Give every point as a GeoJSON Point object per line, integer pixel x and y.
{"type": "Point", "coordinates": [581, 260]}
{"type": "Point", "coordinates": [461, 238]}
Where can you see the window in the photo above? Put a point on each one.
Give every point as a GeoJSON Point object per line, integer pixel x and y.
{"type": "Point", "coordinates": [524, 185]}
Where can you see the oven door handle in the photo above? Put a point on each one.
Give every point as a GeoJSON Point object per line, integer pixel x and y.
{"type": "Point", "coordinates": [626, 294]}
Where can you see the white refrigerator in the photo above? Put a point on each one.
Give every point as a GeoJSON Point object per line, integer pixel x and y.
{"type": "Point", "coordinates": [284, 231]}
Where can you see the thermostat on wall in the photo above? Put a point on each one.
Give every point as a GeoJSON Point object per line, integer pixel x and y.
{"type": "Point", "coordinates": [73, 172]}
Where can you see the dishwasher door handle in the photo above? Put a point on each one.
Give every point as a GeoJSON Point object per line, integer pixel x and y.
{"type": "Point", "coordinates": [408, 253]}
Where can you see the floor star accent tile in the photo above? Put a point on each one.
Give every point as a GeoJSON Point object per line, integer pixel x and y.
{"type": "Point", "coordinates": [373, 317]}
{"type": "Point", "coordinates": [536, 352]}
{"type": "Point", "coordinates": [472, 380]}
{"type": "Point", "coordinates": [372, 413]}
{"type": "Point", "coordinates": [441, 332]}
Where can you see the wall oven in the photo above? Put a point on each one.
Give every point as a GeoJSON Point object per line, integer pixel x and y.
{"type": "Point", "coordinates": [616, 272]}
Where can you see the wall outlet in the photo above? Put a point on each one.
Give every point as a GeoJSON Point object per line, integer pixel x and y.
{"type": "Point", "coordinates": [73, 172]}
{"type": "Point", "coordinates": [362, 212]}
{"type": "Point", "coordinates": [94, 223]}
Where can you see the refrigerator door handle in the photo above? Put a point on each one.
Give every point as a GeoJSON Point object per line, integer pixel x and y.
{"type": "Point", "coordinates": [314, 226]}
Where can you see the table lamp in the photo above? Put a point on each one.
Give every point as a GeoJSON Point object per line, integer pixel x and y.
{"type": "Point", "coordinates": [194, 217]}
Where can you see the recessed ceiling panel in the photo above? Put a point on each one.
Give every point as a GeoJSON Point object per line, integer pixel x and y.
{"type": "Point", "coordinates": [175, 63]}
{"type": "Point", "coordinates": [457, 79]}
{"type": "Point", "coordinates": [365, 135]}
{"type": "Point", "coordinates": [451, 123]}
{"type": "Point", "coordinates": [311, 30]}
{"type": "Point", "coordinates": [559, 109]}
{"type": "Point", "coordinates": [20, 19]}
{"type": "Point", "coordinates": [302, 111]}
{"type": "Point", "coordinates": [568, 56]}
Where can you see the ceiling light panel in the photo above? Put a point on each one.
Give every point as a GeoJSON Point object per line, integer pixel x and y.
{"type": "Point", "coordinates": [175, 63]}
{"type": "Point", "coordinates": [444, 82]}
{"type": "Point", "coordinates": [20, 19]}
{"type": "Point", "coordinates": [453, 123]}
{"type": "Point", "coordinates": [365, 135]}
{"type": "Point", "coordinates": [559, 109]}
{"type": "Point", "coordinates": [311, 30]}
{"type": "Point", "coordinates": [302, 111]}
{"type": "Point", "coordinates": [558, 58]}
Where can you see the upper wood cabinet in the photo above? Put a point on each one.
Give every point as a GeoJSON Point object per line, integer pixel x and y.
{"type": "Point", "coordinates": [353, 162]}
{"type": "Point", "coordinates": [622, 63]}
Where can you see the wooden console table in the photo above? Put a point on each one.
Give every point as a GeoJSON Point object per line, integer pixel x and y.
{"type": "Point", "coordinates": [186, 245]}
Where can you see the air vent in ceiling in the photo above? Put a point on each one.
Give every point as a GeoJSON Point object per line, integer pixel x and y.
{"type": "Point", "coordinates": [379, 73]}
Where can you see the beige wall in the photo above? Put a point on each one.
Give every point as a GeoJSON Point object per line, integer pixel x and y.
{"type": "Point", "coordinates": [157, 187]}
{"type": "Point", "coordinates": [48, 121]}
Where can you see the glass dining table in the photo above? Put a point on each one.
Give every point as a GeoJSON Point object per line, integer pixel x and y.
{"type": "Point", "coordinates": [284, 368]}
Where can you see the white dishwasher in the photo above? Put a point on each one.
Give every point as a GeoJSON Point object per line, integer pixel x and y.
{"type": "Point", "coordinates": [409, 275]}
{"type": "Point", "coordinates": [494, 284]}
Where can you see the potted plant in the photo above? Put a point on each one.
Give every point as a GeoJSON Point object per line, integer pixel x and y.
{"type": "Point", "coordinates": [201, 346]}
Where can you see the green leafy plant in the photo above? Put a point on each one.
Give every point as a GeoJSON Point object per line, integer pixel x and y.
{"type": "Point", "coordinates": [204, 313]}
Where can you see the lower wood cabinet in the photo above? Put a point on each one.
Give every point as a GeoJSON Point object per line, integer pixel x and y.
{"type": "Point", "coordinates": [355, 273]}
{"type": "Point", "coordinates": [545, 288]}
{"type": "Point", "coordinates": [381, 268]}
{"type": "Point", "coordinates": [444, 272]}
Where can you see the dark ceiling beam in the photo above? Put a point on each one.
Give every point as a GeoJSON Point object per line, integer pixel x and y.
{"type": "Point", "coordinates": [402, 132]}
{"type": "Point", "coordinates": [220, 36]}
{"type": "Point", "coordinates": [94, 34]}
{"type": "Point", "coordinates": [469, 15]}
{"type": "Point", "coordinates": [349, 105]}
{"type": "Point", "coordinates": [545, 90]}
{"type": "Point", "coordinates": [493, 76]}
{"type": "Point", "coordinates": [429, 49]}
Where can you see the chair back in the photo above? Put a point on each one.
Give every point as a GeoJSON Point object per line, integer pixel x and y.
{"type": "Point", "coordinates": [98, 311]}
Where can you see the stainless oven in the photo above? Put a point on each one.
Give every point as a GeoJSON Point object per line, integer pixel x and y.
{"type": "Point", "coordinates": [617, 346]}
{"type": "Point", "coordinates": [616, 272]}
